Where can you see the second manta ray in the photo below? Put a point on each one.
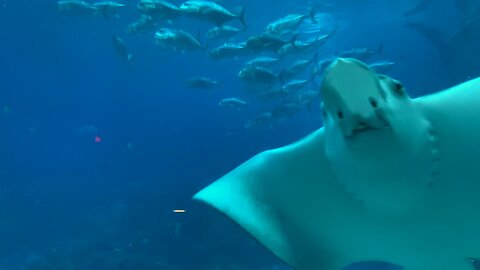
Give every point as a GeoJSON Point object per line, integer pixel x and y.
{"type": "Point", "coordinates": [388, 178]}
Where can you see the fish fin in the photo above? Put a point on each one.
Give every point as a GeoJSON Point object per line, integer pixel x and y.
{"type": "Point", "coordinates": [105, 14]}
{"type": "Point", "coordinates": [334, 31]}
{"type": "Point", "coordinates": [312, 80]}
{"type": "Point", "coordinates": [311, 14]}
{"type": "Point", "coordinates": [197, 37]}
{"type": "Point", "coordinates": [277, 190]}
{"type": "Point", "coordinates": [293, 40]}
{"type": "Point", "coordinates": [241, 17]}
{"type": "Point", "coordinates": [380, 49]}
{"type": "Point", "coordinates": [130, 59]}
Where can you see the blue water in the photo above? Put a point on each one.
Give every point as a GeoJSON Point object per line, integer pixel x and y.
{"type": "Point", "coordinates": [69, 202]}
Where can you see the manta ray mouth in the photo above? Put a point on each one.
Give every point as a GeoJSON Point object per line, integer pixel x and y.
{"type": "Point", "coordinates": [365, 127]}
{"type": "Point", "coordinates": [362, 128]}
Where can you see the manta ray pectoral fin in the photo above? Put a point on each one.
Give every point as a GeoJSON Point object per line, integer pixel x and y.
{"type": "Point", "coordinates": [296, 201]}
{"type": "Point", "coordinates": [288, 200]}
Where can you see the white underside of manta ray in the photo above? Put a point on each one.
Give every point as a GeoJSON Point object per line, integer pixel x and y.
{"type": "Point", "coordinates": [388, 178]}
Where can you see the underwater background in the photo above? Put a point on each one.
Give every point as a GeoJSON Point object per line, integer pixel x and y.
{"type": "Point", "coordinates": [96, 154]}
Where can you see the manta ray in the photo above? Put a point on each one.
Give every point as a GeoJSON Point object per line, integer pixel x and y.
{"type": "Point", "coordinates": [387, 178]}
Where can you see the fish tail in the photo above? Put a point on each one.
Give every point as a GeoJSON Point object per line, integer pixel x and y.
{"type": "Point", "coordinates": [334, 31]}
{"type": "Point", "coordinates": [293, 40]}
{"type": "Point", "coordinates": [241, 17]}
{"type": "Point", "coordinates": [130, 59]}
{"type": "Point", "coordinates": [312, 12]}
{"type": "Point", "coordinates": [380, 49]}
{"type": "Point", "coordinates": [203, 45]}
{"type": "Point", "coordinates": [104, 12]}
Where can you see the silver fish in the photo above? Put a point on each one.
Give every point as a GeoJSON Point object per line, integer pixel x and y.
{"type": "Point", "coordinates": [362, 54]}
{"type": "Point", "coordinates": [259, 76]}
{"type": "Point", "coordinates": [260, 120]}
{"type": "Point", "coordinates": [383, 67]}
{"type": "Point", "coordinates": [201, 83]}
{"type": "Point", "coordinates": [305, 47]}
{"type": "Point", "coordinates": [287, 109]}
{"type": "Point", "coordinates": [77, 8]}
{"type": "Point", "coordinates": [273, 93]}
{"type": "Point", "coordinates": [211, 12]}
{"type": "Point", "coordinates": [121, 50]}
{"type": "Point", "coordinates": [159, 9]}
{"type": "Point", "coordinates": [222, 32]}
{"type": "Point", "coordinates": [295, 85]}
{"type": "Point", "coordinates": [263, 61]}
{"type": "Point", "coordinates": [177, 40]}
{"type": "Point", "coordinates": [232, 103]}
{"type": "Point", "coordinates": [299, 66]}
{"type": "Point", "coordinates": [289, 23]}
{"type": "Point", "coordinates": [228, 50]}
{"type": "Point", "coordinates": [109, 8]}
{"type": "Point", "coordinates": [143, 24]}
{"type": "Point", "coordinates": [265, 42]}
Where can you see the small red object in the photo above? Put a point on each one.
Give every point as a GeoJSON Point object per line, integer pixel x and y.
{"type": "Point", "coordinates": [98, 139]}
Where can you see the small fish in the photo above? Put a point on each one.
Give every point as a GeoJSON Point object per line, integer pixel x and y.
{"type": "Point", "coordinates": [265, 42]}
{"type": "Point", "coordinates": [232, 103]}
{"type": "Point", "coordinates": [201, 83]}
{"type": "Point", "coordinates": [77, 8]}
{"type": "Point", "coordinates": [305, 47]}
{"type": "Point", "coordinates": [263, 61]}
{"type": "Point", "coordinates": [222, 32]}
{"type": "Point", "coordinates": [383, 67]}
{"type": "Point", "coordinates": [295, 85]}
{"type": "Point", "coordinates": [273, 93]}
{"type": "Point", "coordinates": [143, 24]}
{"type": "Point", "coordinates": [299, 66]}
{"type": "Point", "coordinates": [121, 50]}
{"type": "Point", "coordinates": [109, 8]}
{"type": "Point", "coordinates": [259, 76]}
{"type": "Point", "coordinates": [287, 109]}
{"type": "Point", "coordinates": [211, 12]}
{"type": "Point", "coordinates": [177, 40]}
{"type": "Point", "coordinates": [289, 23]}
{"type": "Point", "coordinates": [159, 9]}
{"type": "Point", "coordinates": [322, 65]}
{"type": "Point", "coordinates": [307, 97]}
{"type": "Point", "coordinates": [362, 54]}
{"type": "Point", "coordinates": [260, 120]}
{"type": "Point", "coordinates": [228, 50]}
